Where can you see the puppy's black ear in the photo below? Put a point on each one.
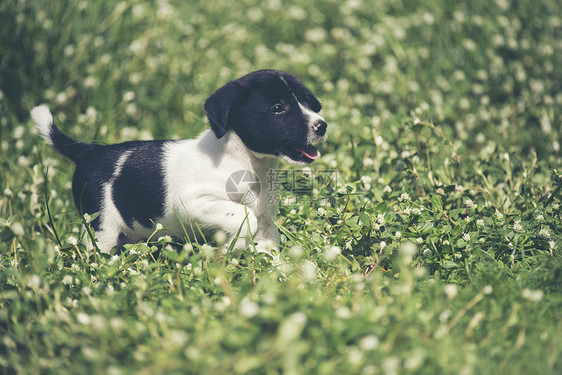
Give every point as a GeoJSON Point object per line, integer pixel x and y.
{"type": "Point", "coordinates": [218, 107]}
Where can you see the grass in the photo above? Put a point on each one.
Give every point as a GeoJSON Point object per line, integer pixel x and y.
{"type": "Point", "coordinates": [428, 239]}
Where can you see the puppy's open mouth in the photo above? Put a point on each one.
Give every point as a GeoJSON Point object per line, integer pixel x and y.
{"type": "Point", "coordinates": [306, 154]}
{"type": "Point", "coordinates": [310, 152]}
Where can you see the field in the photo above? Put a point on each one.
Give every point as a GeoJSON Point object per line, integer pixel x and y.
{"type": "Point", "coordinates": [426, 239]}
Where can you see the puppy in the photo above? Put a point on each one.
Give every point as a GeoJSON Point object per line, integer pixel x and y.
{"type": "Point", "coordinates": [219, 181]}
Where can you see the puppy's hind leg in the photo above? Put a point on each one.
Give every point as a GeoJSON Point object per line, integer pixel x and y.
{"type": "Point", "coordinates": [106, 239]}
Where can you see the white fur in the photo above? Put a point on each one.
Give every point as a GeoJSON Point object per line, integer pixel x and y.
{"type": "Point", "coordinates": [196, 172]}
{"type": "Point", "coordinates": [112, 224]}
{"type": "Point", "coordinates": [313, 118]}
{"type": "Point", "coordinates": [43, 120]}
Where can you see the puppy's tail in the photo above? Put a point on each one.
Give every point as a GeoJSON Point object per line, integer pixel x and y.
{"type": "Point", "coordinates": [67, 146]}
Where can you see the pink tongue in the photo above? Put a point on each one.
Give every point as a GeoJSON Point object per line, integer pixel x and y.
{"type": "Point", "coordinates": [311, 152]}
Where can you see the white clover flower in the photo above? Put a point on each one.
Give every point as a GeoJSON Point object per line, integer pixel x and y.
{"type": "Point", "coordinates": [366, 179]}
{"type": "Point", "coordinates": [83, 318]}
{"type": "Point", "coordinates": [354, 356]}
{"type": "Point", "coordinates": [68, 280]}
{"type": "Point", "coordinates": [17, 229]}
{"type": "Point", "coordinates": [419, 240]}
{"type": "Point", "coordinates": [540, 217]}
{"type": "Point", "coordinates": [391, 365]}
{"type": "Point", "coordinates": [466, 237]}
{"type": "Point", "coordinates": [315, 35]}
{"type": "Point", "coordinates": [90, 82]}
{"type": "Point", "coordinates": [131, 109]}
{"type": "Point", "coordinates": [533, 295]}
{"type": "Point", "coordinates": [321, 211]}
{"type": "Point", "coordinates": [342, 190]}
{"type": "Point", "coordinates": [296, 252]}
{"type": "Point", "coordinates": [488, 289]}
{"type": "Point", "coordinates": [343, 312]}
{"type": "Point", "coordinates": [469, 203]}
{"type": "Point", "coordinates": [552, 244]}
{"type": "Point", "coordinates": [428, 18]}
{"type": "Point", "coordinates": [368, 343]}
{"type": "Point", "coordinates": [34, 282]}
{"type": "Point", "coordinates": [73, 240]}
{"type": "Point", "coordinates": [416, 211]}
{"type": "Point", "coordinates": [19, 132]}
{"type": "Point", "coordinates": [387, 189]}
{"type": "Point", "coordinates": [309, 271]}
{"type": "Point", "coordinates": [128, 96]}
{"type": "Point", "coordinates": [451, 291]}
{"type": "Point", "coordinates": [382, 245]}
{"type": "Point", "coordinates": [248, 308]}
{"type": "Point", "coordinates": [87, 218]}
{"type": "Point", "coordinates": [407, 250]}
{"type": "Point", "coordinates": [517, 226]}
{"type": "Point", "coordinates": [207, 250]}
{"type": "Point", "coordinates": [480, 222]}
{"type": "Point", "coordinates": [427, 253]}
{"type": "Point", "coordinates": [404, 197]}
{"type": "Point", "coordinates": [544, 233]}
{"type": "Point", "coordinates": [368, 162]}
{"type": "Point", "coordinates": [398, 234]}
{"type": "Point", "coordinates": [165, 238]}
{"type": "Point", "coordinates": [220, 237]}
{"type": "Point", "coordinates": [332, 253]}
{"type": "Point", "coordinates": [23, 161]}
{"type": "Point", "coordinates": [113, 259]}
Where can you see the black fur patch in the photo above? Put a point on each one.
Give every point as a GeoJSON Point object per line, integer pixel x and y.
{"type": "Point", "coordinates": [138, 191]}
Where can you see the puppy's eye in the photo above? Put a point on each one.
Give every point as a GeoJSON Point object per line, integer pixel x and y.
{"type": "Point", "coordinates": [278, 109]}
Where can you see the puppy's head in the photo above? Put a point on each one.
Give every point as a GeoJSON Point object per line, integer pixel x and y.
{"type": "Point", "coordinates": [272, 112]}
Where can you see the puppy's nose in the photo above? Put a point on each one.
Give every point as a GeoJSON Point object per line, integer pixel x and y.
{"type": "Point", "coordinates": [320, 127]}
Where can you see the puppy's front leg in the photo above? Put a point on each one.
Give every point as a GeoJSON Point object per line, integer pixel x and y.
{"type": "Point", "coordinates": [267, 238]}
{"type": "Point", "coordinates": [228, 216]}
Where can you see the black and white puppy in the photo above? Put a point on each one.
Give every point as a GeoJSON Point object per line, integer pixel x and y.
{"type": "Point", "coordinates": [183, 184]}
